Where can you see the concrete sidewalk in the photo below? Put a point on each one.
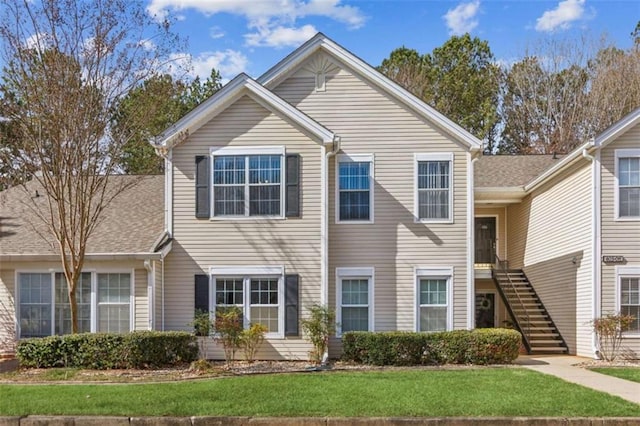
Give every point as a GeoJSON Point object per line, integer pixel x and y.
{"type": "Point", "coordinates": [562, 366]}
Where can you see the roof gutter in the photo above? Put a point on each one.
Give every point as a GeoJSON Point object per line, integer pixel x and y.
{"type": "Point", "coordinates": [21, 257]}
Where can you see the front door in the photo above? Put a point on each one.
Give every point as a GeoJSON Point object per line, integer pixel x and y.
{"type": "Point", "coordinates": [485, 310]}
{"type": "Point", "coordinates": [485, 240]}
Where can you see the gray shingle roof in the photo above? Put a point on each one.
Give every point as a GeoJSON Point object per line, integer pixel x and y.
{"type": "Point", "coordinates": [131, 224]}
{"type": "Point", "coordinates": [495, 171]}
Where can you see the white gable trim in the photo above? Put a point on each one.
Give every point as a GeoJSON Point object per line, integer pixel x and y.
{"type": "Point", "coordinates": [272, 77]}
{"type": "Point", "coordinates": [612, 133]}
{"type": "Point", "coordinates": [231, 92]}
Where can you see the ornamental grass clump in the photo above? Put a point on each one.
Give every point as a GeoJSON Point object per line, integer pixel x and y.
{"type": "Point", "coordinates": [251, 339]}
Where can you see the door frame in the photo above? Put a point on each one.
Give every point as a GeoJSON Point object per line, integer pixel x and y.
{"type": "Point", "coordinates": [495, 305]}
{"type": "Point", "coordinates": [497, 218]}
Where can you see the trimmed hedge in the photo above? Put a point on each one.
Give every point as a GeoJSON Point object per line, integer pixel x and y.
{"type": "Point", "coordinates": [480, 346]}
{"type": "Point", "coordinates": [138, 349]}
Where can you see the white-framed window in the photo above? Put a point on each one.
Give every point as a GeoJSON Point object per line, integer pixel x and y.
{"type": "Point", "coordinates": [434, 307]}
{"type": "Point", "coordinates": [114, 302]}
{"type": "Point", "coordinates": [257, 291]}
{"type": "Point", "coordinates": [354, 188]}
{"type": "Point", "coordinates": [628, 294]}
{"type": "Point", "coordinates": [247, 182]}
{"type": "Point", "coordinates": [43, 307]}
{"type": "Point", "coordinates": [627, 184]}
{"type": "Point", "coordinates": [433, 187]}
{"type": "Point", "coordinates": [354, 299]}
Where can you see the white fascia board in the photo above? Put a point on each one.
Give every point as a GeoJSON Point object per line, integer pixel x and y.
{"type": "Point", "coordinates": [320, 41]}
{"type": "Point", "coordinates": [499, 195]}
{"type": "Point", "coordinates": [232, 91]}
{"type": "Point", "coordinates": [618, 128]}
{"type": "Point", "coordinates": [21, 257]}
{"type": "Point", "coordinates": [563, 164]}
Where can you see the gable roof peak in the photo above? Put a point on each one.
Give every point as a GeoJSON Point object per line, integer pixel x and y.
{"type": "Point", "coordinates": [282, 69]}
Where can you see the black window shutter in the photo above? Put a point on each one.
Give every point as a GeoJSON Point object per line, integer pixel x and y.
{"type": "Point", "coordinates": [292, 204]}
{"type": "Point", "coordinates": [202, 293]}
{"type": "Point", "coordinates": [203, 180]}
{"type": "Point", "coordinates": [291, 305]}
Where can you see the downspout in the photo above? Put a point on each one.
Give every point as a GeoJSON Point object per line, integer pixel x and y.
{"type": "Point", "coordinates": [471, 245]}
{"type": "Point", "coordinates": [324, 227]}
{"type": "Point", "coordinates": [595, 240]}
{"type": "Point", "coordinates": [151, 276]}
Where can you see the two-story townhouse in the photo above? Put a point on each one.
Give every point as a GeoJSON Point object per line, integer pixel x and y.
{"type": "Point", "coordinates": [323, 182]}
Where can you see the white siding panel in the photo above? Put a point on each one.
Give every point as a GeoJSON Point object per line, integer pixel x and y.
{"type": "Point", "coordinates": [141, 300]}
{"type": "Point", "coordinates": [549, 236]}
{"type": "Point", "coordinates": [619, 238]}
{"type": "Point", "coordinates": [7, 311]}
{"type": "Point", "coordinates": [202, 243]}
{"type": "Point", "coordinates": [370, 122]}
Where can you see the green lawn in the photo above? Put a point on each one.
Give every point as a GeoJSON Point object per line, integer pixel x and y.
{"type": "Point", "coordinates": [627, 373]}
{"type": "Point", "coordinates": [468, 392]}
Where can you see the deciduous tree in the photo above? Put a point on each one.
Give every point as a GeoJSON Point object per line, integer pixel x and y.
{"type": "Point", "coordinates": [67, 65]}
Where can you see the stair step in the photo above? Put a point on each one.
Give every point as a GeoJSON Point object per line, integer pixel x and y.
{"type": "Point", "coordinates": [554, 350]}
{"type": "Point", "coordinates": [547, 342]}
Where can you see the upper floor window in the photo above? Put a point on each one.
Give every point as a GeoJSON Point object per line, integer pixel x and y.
{"type": "Point", "coordinates": [247, 185]}
{"type": "Point", "coordinates": [434, 195]}
{"type": "Point", "coordinates": [355, 194]}
{"type": "Point", "coordinates": [628, 183]}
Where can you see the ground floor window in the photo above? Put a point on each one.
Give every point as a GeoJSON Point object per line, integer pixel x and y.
{"type": "Point", "coordinates": [433, 299]}
{"type": "Point", "coordinates": [44, 308]}
{"type": "Point", "coordinates": [355, 299]}
{"type": "Point", "coordinates": [629, 294]}
{"type": "Point", "coordinates": [257, 292]}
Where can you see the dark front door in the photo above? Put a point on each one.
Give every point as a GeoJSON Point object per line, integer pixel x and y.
{"type": "Point", "coordinates": [485, 239]}
{"type": "Point", "coordinates": [485, 310]}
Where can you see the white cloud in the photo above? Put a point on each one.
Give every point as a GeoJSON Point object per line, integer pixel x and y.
{"type": "Point", "coordinates": [280, 36]}
{"type": "Point", "coordinates": [216, 32]}
{"type": "Point", "coordinates": [272, 22]}
{"type": "Point", "coordinates": [461, 19]}
{"type": "Point", "coordinates": [562, 16]}
{"type": "Point", "coordinates": [228, 62]}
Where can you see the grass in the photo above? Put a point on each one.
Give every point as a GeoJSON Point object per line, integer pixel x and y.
{"type": "Point", "coordinates": [470, 392]}
{"type": "Point", "coordinates": [627, 373]}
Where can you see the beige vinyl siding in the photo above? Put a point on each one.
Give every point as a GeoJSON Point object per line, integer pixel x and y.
{"type": "Point", "coordinates": [157, 296]}
{"type": "Point", "coordinates": [7, 311]}
{"type": "Point", "coordinates": [368, 121]}
{"type": "Point", "coordinates": [201, 243]}
{"type": "Point", "coordinates": [141, 299]}
{"type": "Point", "coordinates": [547, 232]}
{"type": "Point", "coordinates": [501, 224]}
{"type": "Point", "coordinates": [619, 238]}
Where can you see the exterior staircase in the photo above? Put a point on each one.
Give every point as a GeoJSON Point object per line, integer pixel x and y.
{"type": "Point", "coordinates": [540, 334]}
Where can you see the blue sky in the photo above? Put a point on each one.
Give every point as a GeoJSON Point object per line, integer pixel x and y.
{"type": "Point", "coordinates": [252, 35]}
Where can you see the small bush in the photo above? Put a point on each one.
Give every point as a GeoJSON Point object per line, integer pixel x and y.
{"type": "Point", "coordinates": [609, 330]}
{"type": "Point", "coordinates": [228, 327]}
{"type": "Point", "coordinates": [482, 346]}
{"type": "Point", "coordinates": [318, 327]}
{"type": "Point", "coordinates": [251, 339]}
{"type": "Point", "coordinates": [138, 349]}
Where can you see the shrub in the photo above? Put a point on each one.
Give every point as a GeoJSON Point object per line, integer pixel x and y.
{"type": "Point", "coordinates": [251, 339]}
{"type": "Point", "coordinates": [609, 329]}
{"type": "Point", "coordinates": [201, 328]}
{"type": "Point", "coordinates": [482, 346]}
{"type": "Point", "coordinates": [138, 349]}
{"type": "Point", "coordinates": [228, 327]}
{"type": "Point", "coordinates": [320, 325]}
